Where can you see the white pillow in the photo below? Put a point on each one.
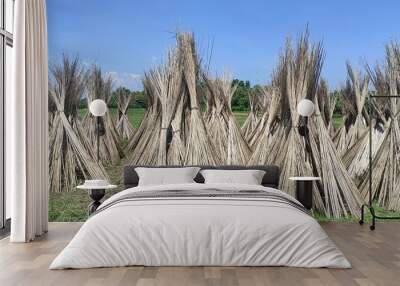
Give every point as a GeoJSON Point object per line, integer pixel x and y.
{"type": "Point", "coordinates": [248, 177]}
{"type": "Point", "coordinates": [166, 176]}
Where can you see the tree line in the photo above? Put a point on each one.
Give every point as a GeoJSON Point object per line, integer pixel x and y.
{"type": "Point", "coordinates": [240, 99]}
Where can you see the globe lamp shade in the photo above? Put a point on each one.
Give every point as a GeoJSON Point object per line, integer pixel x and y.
{"type": "Point", "coordinates": [98, 107]}
{"type": "Point", "coordinates": [305, 107]}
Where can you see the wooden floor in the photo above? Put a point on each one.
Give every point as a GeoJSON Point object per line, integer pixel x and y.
{"type": "Point", "coordinates": [375, 257]}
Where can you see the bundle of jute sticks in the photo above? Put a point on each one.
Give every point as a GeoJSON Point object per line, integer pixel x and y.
{"type": "Point", "coordinates": [72, 154]}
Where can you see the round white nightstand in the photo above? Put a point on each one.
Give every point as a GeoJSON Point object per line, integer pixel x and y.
{"type": "Point", "coordinates": [304, 190]}
{"type": "Point", "coordinates": [96, 193]}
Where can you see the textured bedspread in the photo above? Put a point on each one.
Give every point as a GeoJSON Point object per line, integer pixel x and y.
{"type": "Point", "coordinates": [199, 224]}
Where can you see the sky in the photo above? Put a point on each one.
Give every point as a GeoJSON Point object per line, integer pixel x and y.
{"type": "Point", "coordinates": [128, 37]}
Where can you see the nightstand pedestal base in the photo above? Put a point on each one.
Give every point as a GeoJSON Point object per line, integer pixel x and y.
{"type": "Point", "coordinates": [304, 188]}
{"type": "Point", "coordinates": [96, 195]}
{"type": "Point", "coordinates": [304, 193]}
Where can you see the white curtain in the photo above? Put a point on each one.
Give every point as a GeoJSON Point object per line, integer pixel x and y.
{"type": "Point", "coordinates": [27, 123]}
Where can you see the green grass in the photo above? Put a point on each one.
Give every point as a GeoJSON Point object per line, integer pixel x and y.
{"type": "Point", "coordinates": [135, 115]}
{"type": "Point", "coordinates": [367, 218]}
{"type": "Point", "coordinates": [241, 116]}
{"type": "Point", "coordinates": [337, 120]}
{"type": "Point", "coordinates": [72, 205]}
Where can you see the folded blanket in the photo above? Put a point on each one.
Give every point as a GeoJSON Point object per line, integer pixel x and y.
{"type": "Point", "coordinates": [206, 193]}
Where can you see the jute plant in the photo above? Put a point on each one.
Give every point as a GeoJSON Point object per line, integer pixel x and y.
{"type": "Point", "coordinates": [144, 144]}
{"type": "Point", "coordinates": [339, 194]}
{"type": "Point", "coordinates": [262, 150]}
{"type": "Point", "coordinates": [356, 155]}
{"type": "Point", "coordinates": [228, 139]}
{"type": "Point", "coordinates": [251, 120]}
{"type": "Point", "coordinates": [265, 101]}
{"type": "Point", "coordinates": [353, 97]}
{"type": "Point", "coordinates": [177, 151]}
{"type": "Point", "coordinates": [292, 158]}
{"type": "Point", "coordinates": [271, 132]}
{"type": "Point", "coordinates": [359, 94]}
{"type": "Point", "coordinates": [327, 103]}
{"type": "Point", "coordinates": [168, 81]}
{"type": "Point", "coordinates": [199, 147]}
{"type": "Point", "coordinates": [99, 87]}
{"type": "Point", "coordinates": [71, 155]}
{"type": "Point", "coordinates": [216, 117]}
{"type": "Point", "coordinates": [238, 149]}
{"type": "Point", "coordinates": [335, 195]}
{"type": "Point", "coordinates": [123, 124]}
{"type": "Point", "coordinates": [386, 164]}
{"type": "Point", "coordinates": [151, 109]}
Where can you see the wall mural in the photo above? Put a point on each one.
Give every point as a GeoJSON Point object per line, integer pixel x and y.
{"type": "Point", "coordinates": [189, 121]}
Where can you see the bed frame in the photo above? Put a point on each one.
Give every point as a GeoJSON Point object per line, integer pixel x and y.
{"type": "Point", "coordinates": [270, 179]}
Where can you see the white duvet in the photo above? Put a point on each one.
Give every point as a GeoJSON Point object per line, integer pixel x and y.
{"type": "Point", "coordinates": [200, 231]}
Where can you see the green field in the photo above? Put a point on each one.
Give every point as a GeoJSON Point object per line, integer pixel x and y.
{"type": "Point", "coordinates": [135, 115]}
{"type": "Point", "coordinates": [337, 120]}
{"type": "Point", "coordinates": [72, 205]}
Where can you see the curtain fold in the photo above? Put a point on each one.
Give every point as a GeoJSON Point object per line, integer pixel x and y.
{"type": "Point", "coordinates": [27, 143]}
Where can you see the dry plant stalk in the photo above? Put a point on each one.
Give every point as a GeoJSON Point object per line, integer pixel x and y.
{"type": "Point", "coordinates": [296, 78]}
{"type": "Point", "coordinates": [236, 151]}
{"type": "Point", "coordinates": [123, 125]}
{"type": "Point", "coordinates": [173, 130]}
{"type": "Point", "coordinates": [71, 154]}
{"type": "Point", "coordinates": [150, 110]}
{"type": "Point", "coordinates": [355, 152]}
{"type": "Point", "coordinates": [199, 148]}
{"type": "Point", "coordinates": [216, 117]}
{"type": "Point", "coordinates": [327, 104]}
{"type": "Point", "coordinates": [110, 147]}
{"type": "Point", "coordinates": [263, 146]}
{"type": "Point", "coordinates": [386, 164]}
{"type": "Point", "coordinates": [293, 158]}
{"type": "Point", "coordinates": [176, 151]}
{"type": "Point", "coordinates": [168, 81]}
{"type": "Point", "coordinates": [251, 120]}
{"type": "Point", "coordinates": [353, 95]}
{"type": "Point", "coordinates": [340, 195]}
{"type": "Point", "coordinates": [144, 144]}
{"type": "Point", "coordinates": [257, 133]}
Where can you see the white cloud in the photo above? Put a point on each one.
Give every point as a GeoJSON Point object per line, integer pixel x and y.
{"type": "Point", "coordinates": [129, 80]}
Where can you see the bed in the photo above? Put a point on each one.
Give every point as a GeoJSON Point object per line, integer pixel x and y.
{"type": "Point", "coordinates": [198, 224]}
